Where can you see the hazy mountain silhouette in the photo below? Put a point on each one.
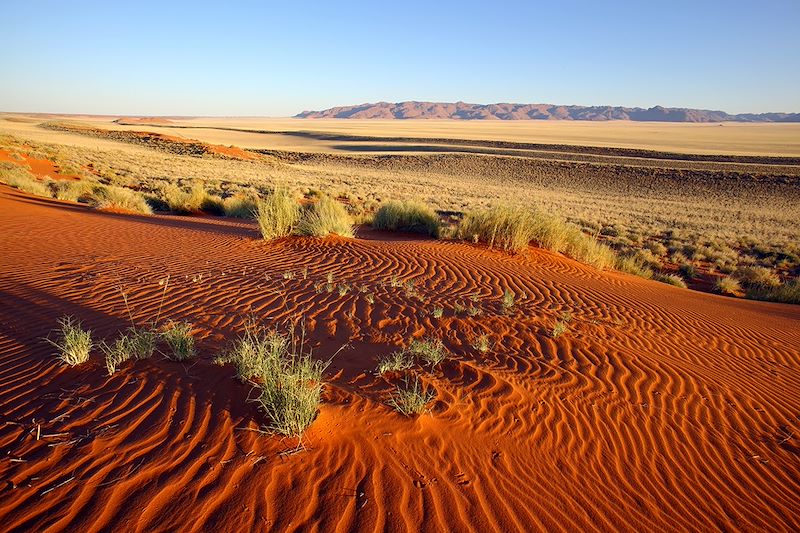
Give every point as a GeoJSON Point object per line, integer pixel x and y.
{"type": "Point", "coordinates": [464, 111]}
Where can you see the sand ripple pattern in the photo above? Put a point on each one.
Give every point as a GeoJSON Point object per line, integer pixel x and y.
{"type": "Point", "coordinates": [660, 410]}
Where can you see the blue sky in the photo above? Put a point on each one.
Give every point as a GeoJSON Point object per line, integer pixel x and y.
{"type": "Point", "coordinates": [279, 58]}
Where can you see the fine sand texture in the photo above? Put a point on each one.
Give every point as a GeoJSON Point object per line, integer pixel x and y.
{"type": "Point", "coordinates": [659, 409]}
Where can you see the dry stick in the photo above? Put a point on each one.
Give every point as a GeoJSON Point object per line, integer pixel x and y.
{"type": "Point", "coordinates": [59, 485]}
{"type": "Point", "coordinates": [161, 304]}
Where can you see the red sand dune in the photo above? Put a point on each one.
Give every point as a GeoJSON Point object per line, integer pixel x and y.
{"type": "Point", "coordinates": [661, 409]}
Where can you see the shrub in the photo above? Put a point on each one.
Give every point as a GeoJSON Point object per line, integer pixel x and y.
{"type": "Point", "coordinates": [113, 197]}
{"type": "Point", "coordinates": [183, 202]}
{"type": "Point", "coordinates": [395, 362]}
{"type": "Point", "coordinates": [241, 206]}
{"type": "Point", "coordinates": [757, 277]}
{"type": "Point", "coordinates": [728, 285]}
{"type": "Point", "coordinates": [324, 217]}
{"type": "Point", "coordinates": [277, 214]}
{"type": "Point", "coordinates": [482, 343]}
{"type": "Point", "coordinates": [74, 343]}
{"type": "Point", "coordinates": [178, 336]}
{"type": "Point", "coordinates": [687, 270]}
{"type": "Point", "coordinates": [671, 279]}
{"type": "Point", "coordinates": [431, 351]}
{"type": "Point", "coordinates": [411, 399]}
{"type": "Point", "coordinates": [74, 191]}
{"type": "Point", "coordinates": [407, 216]}
{"type": "Point", "coordinates": [213, 205]}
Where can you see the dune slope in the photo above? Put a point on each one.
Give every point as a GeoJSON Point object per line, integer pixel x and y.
{"type": "Point", "coordinates": [660, 409]}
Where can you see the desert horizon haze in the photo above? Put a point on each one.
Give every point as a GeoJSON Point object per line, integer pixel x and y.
{"type": "Point", "coordinates": [221, 313]}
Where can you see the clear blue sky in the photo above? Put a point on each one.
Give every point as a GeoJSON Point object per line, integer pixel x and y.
{"type": "Point", "coordinates": [279, 58]}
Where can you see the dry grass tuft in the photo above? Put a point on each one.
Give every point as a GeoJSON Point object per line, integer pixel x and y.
{"type": "Point", "coordinates": [430, 351]}
{"type": "Point", "coordinates": [409, 216]}
{"type": "Point", "coordinates": [277, 214]}
{"type": "Point", "coordinates": [325, 217]}
{"type": "Point", "coordinates": [179, 338]}
{"type": "Point", "coordinates": [74, 343]}
{"type": "Point", "coordinates": [397, 361]}
{"type": "Point", "coordinates": [728, 285]}
{"type": "Point", "coordinates": [412, 398]}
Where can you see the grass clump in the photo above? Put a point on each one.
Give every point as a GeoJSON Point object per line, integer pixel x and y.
{"type": "Point", "coordinates": [412, 398]}
{"type": "Point", "coordinates": [179, 338]}
{"type": "Point", "coordinates": [508, 301]}
{"type": "Point", "coordinates": [671, 279]}
{"type": "Point", "coordinates": [184, 202]}
{"type": "Point", "coordinates": [482, 343]}
{"type": "Point", "coordinates": [74, 343]}
{"type": "Point", "coordinates": [788, 293]}
{"type": "Point", "coordinates": [728, 285]}
{"type": "Point", "coordinates": [324, 217]}
{"type": "Point", "coordinates": [135, 344]}
{"type": "Point", "coordinates": [74, 191]}
{"type": "Point", "coordinates": [19, 178]}
{"type": "Point", "coordinates": [241, 207]}
{"type": "Point", "coordinates": [113, 197]}
{"type": "Point", "coordinates": [289, 379]}
{"type": "Point", "coordinates": [633, 265]}
{"type": "Point", "coordinates": [409, 216]}
{"type": "Point", "coordinates": [277, 214]}
{"type": "Point", "coordinates": [757, 277]}
{"type": "Point", "coordinates": [559, 329]}
{"type": "Point", "coordinates": [395, 362]}
{"type": "Point", "coordinates": [507, 228]}
{"type": "Point", "coordinates": [431, 351]}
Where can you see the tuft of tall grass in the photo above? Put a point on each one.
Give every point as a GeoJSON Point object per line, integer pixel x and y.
{"type": "Point", "coordinates": [324, 217]}
{"type": "Point", "coordinates": [559, 329]}
{"type": "Point", "coordinates": [74, 191]}
{"type": "Point", "coordinates": [241, 206]}
{"type": "Point", "coordinates": [277, 214]}
{"type": "Point", "coordinates": [670, 279]}
{"type": "Point", "coordinates": [409, 216]}
{"type": "Point", "coordinates": [632, 265]}
{"type": "Point", "coordinates": [757, 277]}
{"type": "Point", "coordinates": [179, 338]}
{"type": "Point", "coordinates": [181, 201]}
{"type": "Point", "coordinates": [788, 292]}
{"type": "Point", "coordinates": [15, 176]}
{"type": "Point", "coordinates": [728, 285]}
{"type": "Point", "coordinates": [289, 378]}
{"type": "Point", "coordinates": [412, 398]}
{"type": "Point", "coordinates": [113, 197]}
{"type": "Point", "coordinates": [74, 343]}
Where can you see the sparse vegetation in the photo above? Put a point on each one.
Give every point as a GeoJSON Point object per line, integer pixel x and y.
{"type": "Point", "coordinates": [407, 216]}
{"type": "Point", "coordinates": [73, 343]}
{"type": "Point", "coordinates": [508, 301]}
{"type": "Point", "coordinates": [412, 398]}
{"type": "Point", "coordinates": [241, 206]}
{"type": "Point", "coordinates": [482, 343]}
{"type": "Point", "coordinates": [324, 217]}
{"type": "Point", "coordinates": [277, 214]}
{"type": "Point", "coordinates": [396, 361]}
{"type": "Point", "coordinates": [112, 197]}
{"type": "Point", "coordinates": [179, 339]}
{"type": "Point", "coordinates": [728, 285]}
{"type": "Point", "coordinates": [671, 279]}
{"type": "Point", "coordinates": [559, 329]}
{"type": "Point", "coordinates": [430, 351]}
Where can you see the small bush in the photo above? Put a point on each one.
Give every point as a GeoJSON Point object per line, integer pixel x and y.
{"type": "Point", "coordinates": [431, 351]}
{"type": "Point", "coordinates": [671, 279]}
{"type": "Point", "coordinates": [788, 293]}
{"type": "Point", "coordinates": [74, 343]}
{"type": "Point", "coordinates": [687, 270]}
{"type": "Point", "coordinates": [324, 217]}
{"type": "Point", "coordinates": [178, 336]}
{"type": "Point", "coordinates": [510, 229]}
{"type": "Point", "coordinates": [277, 214]}
{"type": "Point", "coordinates": [728, 285]}
{"type": "Point", "coordinates": [407, 216]}
{"type": "Point", "coordinates": [632, 265]}
{"type": "Point", "coordinates": [411, 399]}
{"type": "Point", "coordinates": [184, 202]}
{"type": "Point", "coordinates": [507, 302]}
{"type": "Point", "coordinates": [395, 362]}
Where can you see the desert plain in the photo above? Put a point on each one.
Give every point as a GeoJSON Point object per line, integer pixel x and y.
{"type": "Point", "coordinates": [643, 393]}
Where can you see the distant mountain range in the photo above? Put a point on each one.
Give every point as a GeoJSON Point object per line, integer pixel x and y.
{"type": "Point", "coordinates": [464, 111]}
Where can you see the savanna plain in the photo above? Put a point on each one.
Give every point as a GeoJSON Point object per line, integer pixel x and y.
{"type": "Point", "coordinates": [337, 325]}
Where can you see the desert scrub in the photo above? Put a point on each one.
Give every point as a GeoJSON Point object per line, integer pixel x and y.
{"type": "Point", "coordinates": [757, 277]}
{"type": "Point", "coordinates": [178, 337]}
{"type": "Point", "coordinates": [74, 191]}
{"type": "Point", "coordinates": [73, 343]}
{"type": "Point", "coordinates": [113, 197]}
{"type": "Point", "coordinates": [412, 398]}
{"type": "Point", "coordinates": [670, 279]}
{"type": "Point", "coordinates": [324, 217]}
{"type": "Point", "coordinates": [788, 292]}
{"type": "Point", "coordinates": [633, 265]}
{"type": "Point", "coordinates": [728, 285]}
{"type": "Point", "coordinates": [510, 229]}
{"type": "Point", "coordinates": [184, 202]}
{"type": "Point", "coordinates": [397, 361]}
{"type": "Point", "coordinates": [508, 301]}
{"type": "Point", "coordinates": [277, 214]}
{"type": "Point", "coordinates": [430, 351]}
{"type": "Point", "coordinates": [437, 312]}
{"type": "Point", "coordinates": [251, 351]}
{"type": "Point", "coordinates": [409, 216]}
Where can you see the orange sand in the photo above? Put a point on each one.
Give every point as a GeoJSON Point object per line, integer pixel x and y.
{"type": "Point", "coordinates": [661, 409]}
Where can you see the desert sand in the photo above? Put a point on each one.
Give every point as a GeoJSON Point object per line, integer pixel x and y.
{"type": "Point", "coordinates": [660, 409]}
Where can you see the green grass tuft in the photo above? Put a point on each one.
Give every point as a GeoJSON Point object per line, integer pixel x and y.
{"type": "Point", "coordinates": [409, 216]}
{"type": "Point", "coordinates": [178, 336]}
{"type": "Point", "coordinates": [430, 351]}
{"type": "Point", "coordinates": [277, 214]}
{"type": "Point", "coordinates": [324, 217]}
{"type": "Point", "coordinates": [412, 398]}
{"type": "Point", "coordinates": [74, 343]}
